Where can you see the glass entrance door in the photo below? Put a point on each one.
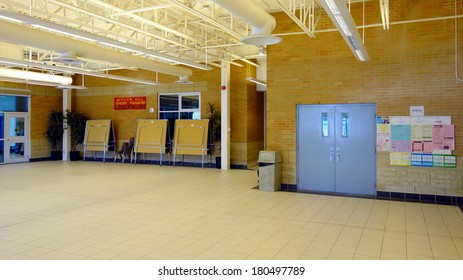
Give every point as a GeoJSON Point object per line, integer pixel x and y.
{"type": "Point", "coordinates": [16, 137]}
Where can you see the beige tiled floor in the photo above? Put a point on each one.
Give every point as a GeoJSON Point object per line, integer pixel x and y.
{"type": "Point", "coordinates": [92, 210]}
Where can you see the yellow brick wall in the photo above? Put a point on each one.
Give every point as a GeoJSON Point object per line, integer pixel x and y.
{"type": "Point", "coordinates": [411, 64]}
{"type": "Point", "coordinates": [97, 103]}
{"type": "Point", "coordinates": [247, 117]}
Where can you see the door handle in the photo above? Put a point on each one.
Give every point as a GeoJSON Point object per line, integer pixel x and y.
{"type": "Point", "coordinates": [338, 154]}
{"type": "Point", "coordinates": [331, 154]}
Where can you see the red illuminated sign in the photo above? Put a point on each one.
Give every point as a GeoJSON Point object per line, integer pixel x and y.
{"type": "Point", "coordinates": [130, 103]}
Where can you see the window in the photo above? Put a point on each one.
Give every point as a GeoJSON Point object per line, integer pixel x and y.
{"type": "Point", "coordinates": [173, 106]}
{"type": "Point", "coordinates": [11, 103]}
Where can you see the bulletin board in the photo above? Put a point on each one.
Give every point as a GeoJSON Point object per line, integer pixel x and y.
{"type": "Point", "coordinates": [151, 137]}
{"type": "Point", "coordinates": [426, 141]}
{"type": "Point", "coordinates": [190, 137]}
{"type": "Point", "coordinates": [99, 136]}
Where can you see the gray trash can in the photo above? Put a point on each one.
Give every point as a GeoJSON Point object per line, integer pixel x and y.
{"type": "Point", "coordinates": [269, 171]}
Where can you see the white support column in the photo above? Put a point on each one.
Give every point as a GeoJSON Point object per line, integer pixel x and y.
{"type": "Point", "coordinates": [225, 115]}
{"type": "Point", "coordinates": [67, 132]}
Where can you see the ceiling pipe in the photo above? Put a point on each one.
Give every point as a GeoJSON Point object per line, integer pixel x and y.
{"type": "Point", "coordinates": [23, 35]}
{"type": "Point", "coordinates": [262, 22]}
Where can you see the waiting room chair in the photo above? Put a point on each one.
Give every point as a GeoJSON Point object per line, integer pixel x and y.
{"type": "Point", "coordinates": [126, 151]}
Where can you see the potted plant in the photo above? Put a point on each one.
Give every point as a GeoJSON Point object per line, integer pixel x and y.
{"type": "Point", "coordinates": [54, 134]}
{"type": "Point", "coordinates": [77, 122]}
{"type": "Point", "coordinates": [214, 131]}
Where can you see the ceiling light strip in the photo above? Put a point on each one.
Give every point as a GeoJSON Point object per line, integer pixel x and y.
{"type": "Point", "coordinates": [73, 70]}
{"type": "Point", "coordinates": [38, 83]}
{"type": "Point", "coordinates": [256, 81]}
{"type": "Point", "coordinates": [342, 19]}
{"type": "Point", "coordinates": [34, 76]}
{"type": "Point", "coordinates": [15, 89]}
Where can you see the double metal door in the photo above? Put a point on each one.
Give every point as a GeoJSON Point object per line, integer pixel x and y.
{"type": "Point", "coordinates": [336, 148]}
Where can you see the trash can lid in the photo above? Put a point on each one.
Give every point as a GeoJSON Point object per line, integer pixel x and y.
{"type": "Point", "coordinates": [269, 156]}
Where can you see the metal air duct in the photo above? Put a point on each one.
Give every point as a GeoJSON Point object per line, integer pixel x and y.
{"type": "Point", "coordinates": [262, 22]}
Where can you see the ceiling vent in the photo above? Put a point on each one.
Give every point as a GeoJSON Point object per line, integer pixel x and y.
{"type": "Point", "coordinates": [69, 58]}
{"type": "Point", "coordinates": [183, 80]}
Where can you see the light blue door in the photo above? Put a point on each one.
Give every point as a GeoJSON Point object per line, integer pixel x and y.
{"type": "Point", "coordinates": [336, 148]}
{"type": "Point", "coordinates": [315, 143]}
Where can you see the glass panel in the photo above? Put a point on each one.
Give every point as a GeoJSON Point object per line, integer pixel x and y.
{"type": "Point", "coordinates": [13, 103]}
{"type": "Point", "coordinates": [345, 125]}
{"type": "Point", "coordinates": [325, 124]}
{"type": "Point", "coordinates": [190, 115]}
{"type": "Point", "coordinates": [168, 102]}
{"type": "Point", "coordinates": [16, 150]}
{"type": "Point", "coordinates": [16, 126]}
{"type": "Point", "coordinates": [168, 115]}
{"type": "Point", "coordinates": [171, 117]}
{"type": "Point", "coordinates": [190, 102]}
{"type": "Point", "coordinates": [2, 157]}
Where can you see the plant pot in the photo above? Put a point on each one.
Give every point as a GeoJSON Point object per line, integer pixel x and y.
{"type": "Point", "coordinates": [218, 162]}
{"type": "Point", "coordinates": [74, 155]}
{"type": "Point", "coordinates": [56, 155]}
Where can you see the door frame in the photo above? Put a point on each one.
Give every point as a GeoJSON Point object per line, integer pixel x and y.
{"type": "Point", "coordinates": [298, 159]}
{"type": "Point", "coordinates": [12, 139]}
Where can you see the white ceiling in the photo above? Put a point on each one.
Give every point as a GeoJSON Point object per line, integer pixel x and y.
{"type": "Point", "coordinates": [200, 31]}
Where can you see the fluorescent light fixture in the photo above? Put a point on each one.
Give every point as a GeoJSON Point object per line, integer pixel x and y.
{"type": "Point", "coordinates": [343, 25]}
{"type": "Point", "coordinates": [15, 89]}
{"type": "Point", "coordinates": [122, 47]}
{"type": "Point", "coordinates": [62, 32]}
{"type": "Point", "coordinates": [10, 19]}
{"type": "Point", "coordinates": [256, 81]}
{"type": "Point", "coordinates": [35, 76]}
{"type": "Point", "coordinates": [79, 34]}
{"type": "Point", "coordinates": [332, 6]}
{"type": "Point", "coordinates": [71, 87]}
{"type": "Point", "coordinates": [341, 17]}
{"type": "Point", "coordinates": [11, 62]}
{"type": "Point", "coordinates": [360, 55]}
{"type": "Point", "coordinates": [30, 82]}
{"type": "Point", "coordinates": [72, 70]}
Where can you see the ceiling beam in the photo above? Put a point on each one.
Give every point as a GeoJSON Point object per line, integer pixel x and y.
{"type": "Point", "coordinates": [306, 18]}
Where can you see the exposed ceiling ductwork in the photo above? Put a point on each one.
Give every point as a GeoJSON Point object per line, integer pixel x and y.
{"type": "Point", "coordinates": [262, 22]}
{"type": "Point", "coordinates": [26, 36]}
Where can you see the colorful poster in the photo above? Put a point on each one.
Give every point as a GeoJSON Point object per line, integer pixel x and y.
{"type": "Point", "coordinates": [401, 146]}
{"type": "Point", "coordinates": [450, 161]}
{"type": "Point", "coordinates": [427, 146]}
{"type": "Point", "coordinates": [426, 160]}
{"type": "Point", "coordinates": [416, 159]}
{"type": "Point", "coordinates": [449, 137]}
{"type": "Point", "coordinates": [417, 132]}
{"type": "Point", "coordinates": [402, 159]}
{"type": "Point", "coordinates": [438, 160]}
{"type": "Point", "coordinates": [420, 141]}
{"type": "Point", "coordinates": [426, 132]}
{"type": "Point", "coordinates": [130, 103]}
{"type": "Point", "coordinates": [417, 146]}
{"type": "Point", "coordinates": [401, 132]}
{"type": "Point", "coordinates": [383, 137]}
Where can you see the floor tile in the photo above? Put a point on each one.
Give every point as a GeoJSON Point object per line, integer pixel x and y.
{"type": "Point", "coordinates": [151, 212]}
